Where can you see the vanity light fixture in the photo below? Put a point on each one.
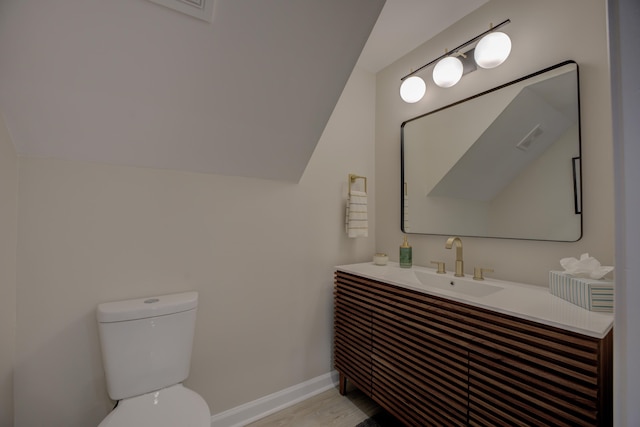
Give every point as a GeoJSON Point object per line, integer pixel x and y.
{"type": "Point", "coordinates": [492, 49]}
{"type": "Point", "coordinates": [448, 71]}
{"type": "Point", "coordinates": [412, 89]}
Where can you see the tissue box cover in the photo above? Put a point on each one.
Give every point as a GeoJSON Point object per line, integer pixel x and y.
{"type": "Point", "coordinates": [594, 295]}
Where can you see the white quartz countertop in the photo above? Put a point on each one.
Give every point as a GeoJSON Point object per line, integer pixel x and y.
{"type": "Point", "coordinates": [529, 302]}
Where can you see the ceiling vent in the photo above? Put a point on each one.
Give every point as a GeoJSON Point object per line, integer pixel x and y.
{"type": "Point", "coordinates": [201, 9]}
{"type": "Point", "coordinates": [528, 139]}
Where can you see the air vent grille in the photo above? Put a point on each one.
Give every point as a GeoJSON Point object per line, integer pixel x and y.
{"type": "Point", "coordinates": [197, 3]}
{"type": "Point", "coordinates": [201, 9]}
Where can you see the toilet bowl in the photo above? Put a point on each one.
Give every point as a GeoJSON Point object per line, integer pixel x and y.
{"type": "Point", "coordinates": [146, 350]}
{"type": "Point", "coordinates": [170, 407]}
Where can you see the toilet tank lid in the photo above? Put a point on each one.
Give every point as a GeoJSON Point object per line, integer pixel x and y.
{"type": "Point", "coordinates": [142, 308]}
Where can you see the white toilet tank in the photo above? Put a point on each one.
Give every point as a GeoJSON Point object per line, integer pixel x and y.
{"type": "Point", "coordinates": [146, 343]}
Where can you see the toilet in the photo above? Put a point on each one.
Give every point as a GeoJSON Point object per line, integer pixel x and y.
{"type": "Point", "coordinates": [146, 351]}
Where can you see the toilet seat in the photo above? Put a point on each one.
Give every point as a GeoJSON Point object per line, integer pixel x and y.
{"type": "Point", "coordinates": [169, 407]}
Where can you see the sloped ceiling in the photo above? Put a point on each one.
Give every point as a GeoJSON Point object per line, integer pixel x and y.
{"type": "Point", "coordinates": [135, 83]}
{"type": "Point", "coordinates": [131, 82]}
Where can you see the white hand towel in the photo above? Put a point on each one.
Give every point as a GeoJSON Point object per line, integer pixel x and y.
{"type": "Point", "coordinates": [356, 216]}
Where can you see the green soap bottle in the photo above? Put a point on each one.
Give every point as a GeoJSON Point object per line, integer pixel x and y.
{"type": "Point", "coordinates": [405, 254]}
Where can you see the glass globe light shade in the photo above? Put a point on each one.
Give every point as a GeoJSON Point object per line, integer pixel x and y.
{"type": "Point", "coordinates": [492, 50]}
{"type": "Point", "coordinates": [412, 89]}
{"type": "Point", "coordinates": [447, 71]}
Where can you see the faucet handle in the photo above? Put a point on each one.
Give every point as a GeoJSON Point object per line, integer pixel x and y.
{"type": "Point", "coordinates": [478, 272]}
{"type": "Point", "coordinates": [440, 265]}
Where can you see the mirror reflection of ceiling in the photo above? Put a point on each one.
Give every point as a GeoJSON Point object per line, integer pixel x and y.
{"type": "Point", "coordinates": [499, 164]}
{"type": "Point", "coordinates": [536, 117]}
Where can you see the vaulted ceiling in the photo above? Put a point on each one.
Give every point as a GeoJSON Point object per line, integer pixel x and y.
{"type": "Point", "coordinates": [134, 83]}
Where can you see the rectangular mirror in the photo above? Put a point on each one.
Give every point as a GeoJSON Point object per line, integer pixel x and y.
{"type": "Point", "coordinates": [504, 163]}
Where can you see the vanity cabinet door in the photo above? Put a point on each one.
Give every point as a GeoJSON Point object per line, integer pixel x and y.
{"type": "Point", "coordinates": [352, 333]}
{"type": "Point", "coordinates": [419, 362]}
{"type": "Point", "coordinates": [521, 373]}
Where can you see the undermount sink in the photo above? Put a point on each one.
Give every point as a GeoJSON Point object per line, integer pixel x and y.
{"type": "Point", "coordinates": [460, 285]}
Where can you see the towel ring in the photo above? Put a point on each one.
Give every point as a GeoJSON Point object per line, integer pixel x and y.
{"type": "Point", "coordinates": [353, 178]}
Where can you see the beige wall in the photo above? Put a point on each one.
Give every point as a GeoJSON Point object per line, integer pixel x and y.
{"type": "Point", "coordinates": [8, 242]}
{"type": "Point", "coordinates": [261, 254]}
{"type": "Point", "coordinates": [543, 33]}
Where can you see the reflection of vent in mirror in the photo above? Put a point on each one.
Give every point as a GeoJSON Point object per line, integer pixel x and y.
{"type": "Point", "coordinates": [200, 9]}
{"type": "Point", "coordinates": [196, 3]}
{"type": "Point", "coordinates": [527, 140]}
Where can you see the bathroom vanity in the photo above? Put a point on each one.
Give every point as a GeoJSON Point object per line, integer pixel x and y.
{"type": "Point", "coordinates": [434, 349]}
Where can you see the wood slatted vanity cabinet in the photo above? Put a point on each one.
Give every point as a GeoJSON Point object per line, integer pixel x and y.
{"type": "Point", "coordinates": [433, 361]}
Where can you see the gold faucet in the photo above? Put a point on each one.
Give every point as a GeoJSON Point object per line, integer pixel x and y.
{"type": "Point", "coordinates": [459, 262]}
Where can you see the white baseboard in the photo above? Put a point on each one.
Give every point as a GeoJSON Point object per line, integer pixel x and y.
{"type": "Point", "coordinates": [267, 405]}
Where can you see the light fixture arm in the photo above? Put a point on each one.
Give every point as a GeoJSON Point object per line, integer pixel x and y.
{"type": "Point", "coordinates": [457, 49]}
